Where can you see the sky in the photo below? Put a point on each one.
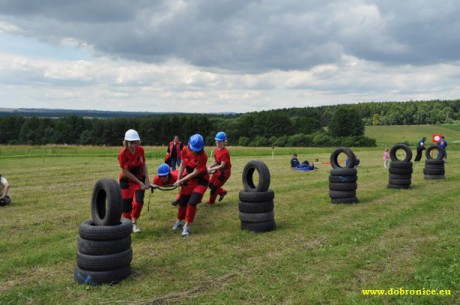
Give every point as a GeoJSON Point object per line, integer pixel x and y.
{"type": "Point", "coordinates": [211, 56]}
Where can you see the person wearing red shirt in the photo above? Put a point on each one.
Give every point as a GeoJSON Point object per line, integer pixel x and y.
{"type": "Point", "coordinates": [193, 177]}
{"type": "Point", "coordinates": [221, 168]}
{"type": "Point", "coordinates": [174, 152]}
{"type": "Point", "coordinates": [134, 177]}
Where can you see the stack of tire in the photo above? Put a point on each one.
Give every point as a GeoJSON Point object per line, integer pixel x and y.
{"type": "Point", "coordinates": [434, 166]}
{"type": "Point", "coordinates": [104, 244]}
{"type": "Point", "coordinates": [256, 206]}
{"type": "Point", "coordinates": [400, 171]}
{"type": "Point", "coordinates": [342, 180]}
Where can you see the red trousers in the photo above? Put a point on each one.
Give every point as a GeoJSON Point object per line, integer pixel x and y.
{"type": "Point", "coordinates": [190, 195]}
{"type": "Point", "coordinates": [218, 179]}
{"type": "Point", "coordinates": [133, 199]}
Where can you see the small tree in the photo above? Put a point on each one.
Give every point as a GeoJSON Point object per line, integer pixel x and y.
{"type": "Point", "coordinates": [345, 121]}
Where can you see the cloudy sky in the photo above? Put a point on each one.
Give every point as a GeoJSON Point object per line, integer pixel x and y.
{"type": "Point", "coordinates": [225, 55]}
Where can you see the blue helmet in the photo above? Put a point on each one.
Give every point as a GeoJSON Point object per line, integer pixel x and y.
{"type": "Point", "coordinates": [163, 170]}
{"type": "Point", "coordinates": [221, 136]}
{"type": "Point", "coordinates": [196, 142]}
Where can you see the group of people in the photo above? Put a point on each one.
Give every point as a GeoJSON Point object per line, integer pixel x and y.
{"type": "Point", "coordinates": [441, 144]}
{"type": "Point", "coordinates": [193, 176]}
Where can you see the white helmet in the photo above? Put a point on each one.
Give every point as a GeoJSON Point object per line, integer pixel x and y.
{"type": "Point", "coordinates": [132, 135]}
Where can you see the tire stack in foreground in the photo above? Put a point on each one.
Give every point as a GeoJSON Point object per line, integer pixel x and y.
{"type": "Point", "coordinates": [343, 180]}
{"type": "Point", "coordinates": [434, 166]}
{"type": "Point", "coordinates": [104, 244]}
{"type": "Point", "coordinates": [400, 171]}
{"type": "Point", "coordinates": [256, 206]}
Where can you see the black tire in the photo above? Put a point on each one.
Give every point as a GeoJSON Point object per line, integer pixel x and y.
{"type": "Point", "coordinates": [428, 153]}
{"type": "Point", "coordinates": [342, 194]}
{"type": "Point", "coordinates": [257, 217]}
{"type": "Point", "coordinates": [401, 171]}
{"type": "Point", "coordinates": [433, 177]}
{"type": "Point", "coordinates": [259, 227]}
{"type": "Point", "coordinates": [350, 155]}
{"type": "Point", "coordinates": [256, 207]}
{"type": "Point", "coordinates": [104, 262]}
{"type": "Point", "coordinates": [397, 186]}
{"type": "Point", "coordinates": [343, 179]}
{"type": "Point", "coordinates": [101, 277]}
{"type": "Point", "coordinates": [248, 176]}
{"type": "Point", "coordinates": [398, 176]}
{"type": "Point", "coordinates": [434, 166]}
{"type": "Point", "coordinates": [352, 186]}
{"type": "Point", "coordinates": [401, 164]}
{"type": "Point", "coordinates": [434, 162]}
{"type": "Point", "coordinates": [88, 230]}
{"type": "Point", "coordinates": [434, 171]}
{"type": "Point", "coordinates": [345, 200]}
{"type": "Point", "coordinates": [106, 202]}
{"type": "Point", "coordinates": [397, 147]}
{"type": "Point", "coordinates": [103, 247]}
{"type": "Point", "coordinates": [400, 181]}
{"type": "Point", "coordinates": [343, 172]}
{"type": "Point", "coordinates": [256, 196]}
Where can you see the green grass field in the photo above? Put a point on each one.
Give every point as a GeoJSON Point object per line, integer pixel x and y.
{"type": "Point", "coordinates": [321, 253]}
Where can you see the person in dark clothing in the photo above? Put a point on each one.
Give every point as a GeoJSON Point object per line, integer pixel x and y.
{"type": "Point", "coordinates": [294, 161]}
{"type": "Point", "coordinates": [174, 152]}
{"type": "Point", "coordinates": [420, 149]}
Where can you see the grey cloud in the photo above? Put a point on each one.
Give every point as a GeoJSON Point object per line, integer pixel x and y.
{"type": "Point", "coordinates": [249, 36]}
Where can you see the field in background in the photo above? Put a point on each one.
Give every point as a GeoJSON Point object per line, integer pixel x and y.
{"type": "Point", "coordinates": [321, 253]}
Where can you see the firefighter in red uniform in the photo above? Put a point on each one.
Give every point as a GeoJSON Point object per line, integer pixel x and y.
{"type": "Point", "coordinates": [194, 182]}
{"type": "Point", "coordinates": [165, 177]}
{"type": "Point", "coordinates": [134, 177]}
{"type": "Point", "coordinates": [221, 168]}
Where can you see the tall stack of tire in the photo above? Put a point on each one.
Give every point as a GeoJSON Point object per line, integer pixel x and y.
{"type": "Point", "coordinates": [400, 171]}
{"type": "Point", "coordinates": [343, 180]}
{"type": "Point", "coordinates": [256, 206]}
{"type": "Point", "coordinates": [104, 244]}
{"type": "Point", "coordinates": [434, 166]}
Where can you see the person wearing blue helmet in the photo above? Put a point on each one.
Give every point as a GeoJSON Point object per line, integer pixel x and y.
{"type": "Point", "coordinates": [221, 169]}
{"type": "Point", "coordinates": [165, 177]}
{"type": "Point", "coordinates": [193, 177]}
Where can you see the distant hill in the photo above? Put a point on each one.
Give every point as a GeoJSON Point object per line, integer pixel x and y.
{"type": "Point", "coordinates": [56, 113]}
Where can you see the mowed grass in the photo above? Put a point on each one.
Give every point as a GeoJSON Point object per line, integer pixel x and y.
{"type": "Point", "coordinates": [321, 253]}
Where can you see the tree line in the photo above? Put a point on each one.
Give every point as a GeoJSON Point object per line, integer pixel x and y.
{"type": "Point", "coordinates": [309, 126]}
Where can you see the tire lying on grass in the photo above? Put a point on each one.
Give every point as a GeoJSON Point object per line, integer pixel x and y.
{"type": "Point", "coordinates": [106, 202]}
{"type": "Point", "coordinates": [259, 226]}
{"type": "Point", "coordinates": [256, 207]}
{"type": "Point", "coordinates": [101, 277]}
{"type": "Point", "coordinates": [344, 186]}
{"type": "Point", "coordinates": [248, 176]}
{"type": "Point", "coordinates": [257, 217]}
{"type": "Point", "coordinates": [343, 179]}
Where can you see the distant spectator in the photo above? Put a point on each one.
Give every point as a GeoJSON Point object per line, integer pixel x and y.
{"type": "Point", "coordinates": [174, 152]}
{"type": "Point", "coordinates": [420, 149]}
{"type": "Point", "coordinates": [442, 143]}
{"type": "Point", "coordinates": [386, 157]}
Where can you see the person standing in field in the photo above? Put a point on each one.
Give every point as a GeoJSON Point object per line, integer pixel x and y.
{"type": "Point", "coordinates": [134, 177]}
{"type": "Point", "coordinates": [420, 149]}
{"type": "Point", "coordinates": [174, 152]}
{"type": "Point", "coordinates": [221, 169]}
{"type": "Point", "coordinates": [386, 157]}
{"type": "Point", "coordinates": [5, 198]}
{"type": "Point", "coordinates": [442, 144]}
{"type": "Point", "coordinates": [193, 185]}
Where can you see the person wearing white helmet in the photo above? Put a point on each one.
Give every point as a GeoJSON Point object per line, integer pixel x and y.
{"type": "Point", "coordinates": [134, 177]}
{"type": "Point", "coordinates": [221, 169]}
{"type": "Point", "coordinates": [193, 177]}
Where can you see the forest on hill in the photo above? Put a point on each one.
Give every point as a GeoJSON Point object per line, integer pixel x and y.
{"type": "Point", "coordinates": [309, 126]}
